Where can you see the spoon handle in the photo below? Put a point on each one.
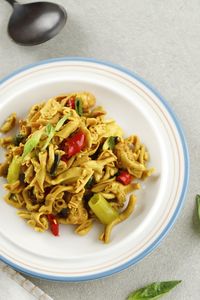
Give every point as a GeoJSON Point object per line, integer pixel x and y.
{"type": "Point", "coordinates": [12, 2]}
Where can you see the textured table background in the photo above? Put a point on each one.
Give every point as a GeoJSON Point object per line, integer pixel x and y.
{"type": "Point", "coordinates": [159, 40]}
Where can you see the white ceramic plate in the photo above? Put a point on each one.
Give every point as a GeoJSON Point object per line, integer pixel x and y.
{"type": "Point", "coordinates": [138, 109]}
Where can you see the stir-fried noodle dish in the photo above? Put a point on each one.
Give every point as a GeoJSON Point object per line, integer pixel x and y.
{"type": "Point", "coordinates": [68, 164]}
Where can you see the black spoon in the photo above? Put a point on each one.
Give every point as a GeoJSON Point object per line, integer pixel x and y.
{"type": "Point", "coordinates": [35, 23]}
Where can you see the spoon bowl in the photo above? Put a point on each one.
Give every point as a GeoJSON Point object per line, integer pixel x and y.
{"type": "Point", "coordinates": [36, 23]}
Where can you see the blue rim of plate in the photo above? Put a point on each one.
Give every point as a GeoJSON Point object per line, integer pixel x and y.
{"type": "Point", "coordinates": [182, 195]}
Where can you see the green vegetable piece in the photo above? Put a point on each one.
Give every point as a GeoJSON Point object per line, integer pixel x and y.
{"type": "Point", "coordinates": [153, 291]}
{"type": "Point", "coordinates": [89, 183]}
{"type": "Point", "coordinates": [198, 205]}
{"type": "Point", "coordinates": [32, 142]}
{"type": "Point", "coordinates": [55, 164]}
{"type": "Point", "coordinates": [102, 209]}
{"type": "Point", "coordinates": [50, 131]}
{"type": "Point", "coordinates": [79, 107]}
{"type": "Point", "coordinates": [14, 169]}
{"type": "Point", "coordinates": [61, 122]}
{"type": "Point", "coordinates": [109, 143]}
{"type": "Point", "coordinates": [18, 139]}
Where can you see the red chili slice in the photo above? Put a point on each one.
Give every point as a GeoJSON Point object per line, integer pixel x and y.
{"type": "Point", "coordinates": [74, 144]}
{"type": "Point", "coordinates": [124, 177]}
{"type": "Point", "coordinates": [54, 226]}
{"type": "Point", "coordinates": [64, 158]}
{"type": "Point", "coordinates": [71, 102]}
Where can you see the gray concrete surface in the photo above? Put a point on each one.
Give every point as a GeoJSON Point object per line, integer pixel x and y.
{"type": "Point", "coordinates": [159, 40]}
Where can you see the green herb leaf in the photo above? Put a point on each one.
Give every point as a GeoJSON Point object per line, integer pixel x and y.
{"type": "Point", "coordinates": [61, 122]}
{"type": "Point", "coordinates": [50, 131]}
{"type": "Point", "coordinates": [18, 139]}
{"type": "Point", "coordinates": [55, 164]}
{"type": "Point", "coordinates": [153, 291]}
{"type": "Point", "coordinates": [198, 205]}
{"type": "Point", "coordinates": [79, 106]}
{"type": "Point", "coordinates": [32, 142]}
{"type": "Point", "coordinates": [14, 169]}
{"type": "Point", "coordinates": [109, 143]}
{"type": "Point", "coordinates": [89, 182]}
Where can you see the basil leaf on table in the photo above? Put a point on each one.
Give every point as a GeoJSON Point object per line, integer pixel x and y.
{"type": "Point", "coordinates": [198, 205]}
{"type": "Point", "coordinates": [153, 291]}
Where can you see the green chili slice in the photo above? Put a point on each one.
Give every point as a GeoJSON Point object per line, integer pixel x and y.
{"type": "Point", "coordinates": [198, 205]}
{"type": "Point", "coordinates": [102, 209]}
{"type": "Point", "coordinates": [14, 170]}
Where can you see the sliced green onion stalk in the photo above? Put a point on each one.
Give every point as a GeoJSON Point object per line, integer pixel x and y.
{"type": "Point", "coordinates": [102, 209]}
{"type": "Point", "coordinates": [50, 130]}
{"type": "Point", "coordinates": [153, 291]}
{"type": "Point", "coordinates": [79, 107]}
{"type": "Point", "coordinates": [32, 142]}
{"type": "Point", "coordinates": [61, 122]}
{"type": "Point", "coordinates": [14, 169]}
